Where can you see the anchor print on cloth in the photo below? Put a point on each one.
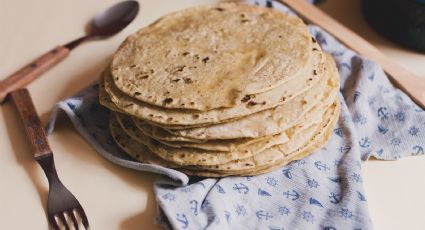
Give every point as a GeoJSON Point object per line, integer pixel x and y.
{"type": "Point", "coordinates": [323, 191]}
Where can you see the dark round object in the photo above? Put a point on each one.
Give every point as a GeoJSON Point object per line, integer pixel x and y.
{"type": "Point", "coordinates": [114, 19]}
{"type": "Point", "coordinates": [402, 21]}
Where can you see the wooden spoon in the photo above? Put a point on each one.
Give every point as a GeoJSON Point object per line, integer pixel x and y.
{"type": "Point", "coordinates": [106, 24]}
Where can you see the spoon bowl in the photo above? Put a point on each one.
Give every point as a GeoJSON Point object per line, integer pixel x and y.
{"type": "Point", "coordinates": [109, 22]}
{"type": "Point", "coordinates": [114, 19]}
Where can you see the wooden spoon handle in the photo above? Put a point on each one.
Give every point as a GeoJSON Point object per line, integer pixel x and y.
{"type": "Point", "coordinates": [30, 72]}
{"type": "Point", "coordinates": [410, 83]}
{"type": "Point", "coordinates": [33, 128]}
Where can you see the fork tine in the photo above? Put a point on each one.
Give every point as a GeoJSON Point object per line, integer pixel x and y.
{"type": "Point", "coordinates": [53, 222]}
{"type": "Point", "coordinates": [83, 216]}
{"type": "Point", "coordinates": [63, 219]}
{"type": "Point", "coordinates": [74, 220]}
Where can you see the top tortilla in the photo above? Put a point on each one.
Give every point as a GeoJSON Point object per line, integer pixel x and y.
{"type": "Point", "coordinates": [211, 57]}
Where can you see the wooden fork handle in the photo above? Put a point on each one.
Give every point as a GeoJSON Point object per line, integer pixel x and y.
{"type": "Point", "coordinates": [32, 71]}
{"type": "Point", "coordinates": [411, 84]}
{"type": "Point", "coordinates": [33, 128]}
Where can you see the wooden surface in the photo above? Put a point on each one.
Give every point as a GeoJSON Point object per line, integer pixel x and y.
{"type": "Point", "coordinates": [412, 84]}
{"type": "Point", "coordinates": [30, 72]}
{"type": "Point", "coordinates": [394, 190]}
{"type": "Point", "coordinates": [22, 100]}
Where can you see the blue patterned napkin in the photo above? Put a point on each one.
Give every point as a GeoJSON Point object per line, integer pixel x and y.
{"type": "Point", "coordinates": [322, 191]}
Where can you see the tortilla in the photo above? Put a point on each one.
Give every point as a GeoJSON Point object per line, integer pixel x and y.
{"type": "Point", "coordinates": [211, 57]}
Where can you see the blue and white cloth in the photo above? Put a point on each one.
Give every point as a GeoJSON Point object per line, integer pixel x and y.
{"type": "Point", "coordinates": [322, 191]}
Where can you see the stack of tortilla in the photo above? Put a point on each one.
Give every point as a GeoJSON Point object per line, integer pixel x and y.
{"type": "Point", "coordinates": [229, 89]}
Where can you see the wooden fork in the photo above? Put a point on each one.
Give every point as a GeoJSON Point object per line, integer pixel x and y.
{"type": "Point", "coordinates": [60, 200]}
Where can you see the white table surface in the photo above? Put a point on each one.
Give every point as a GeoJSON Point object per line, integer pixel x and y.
{"type": "Point", "coordinates": [119, 198]}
